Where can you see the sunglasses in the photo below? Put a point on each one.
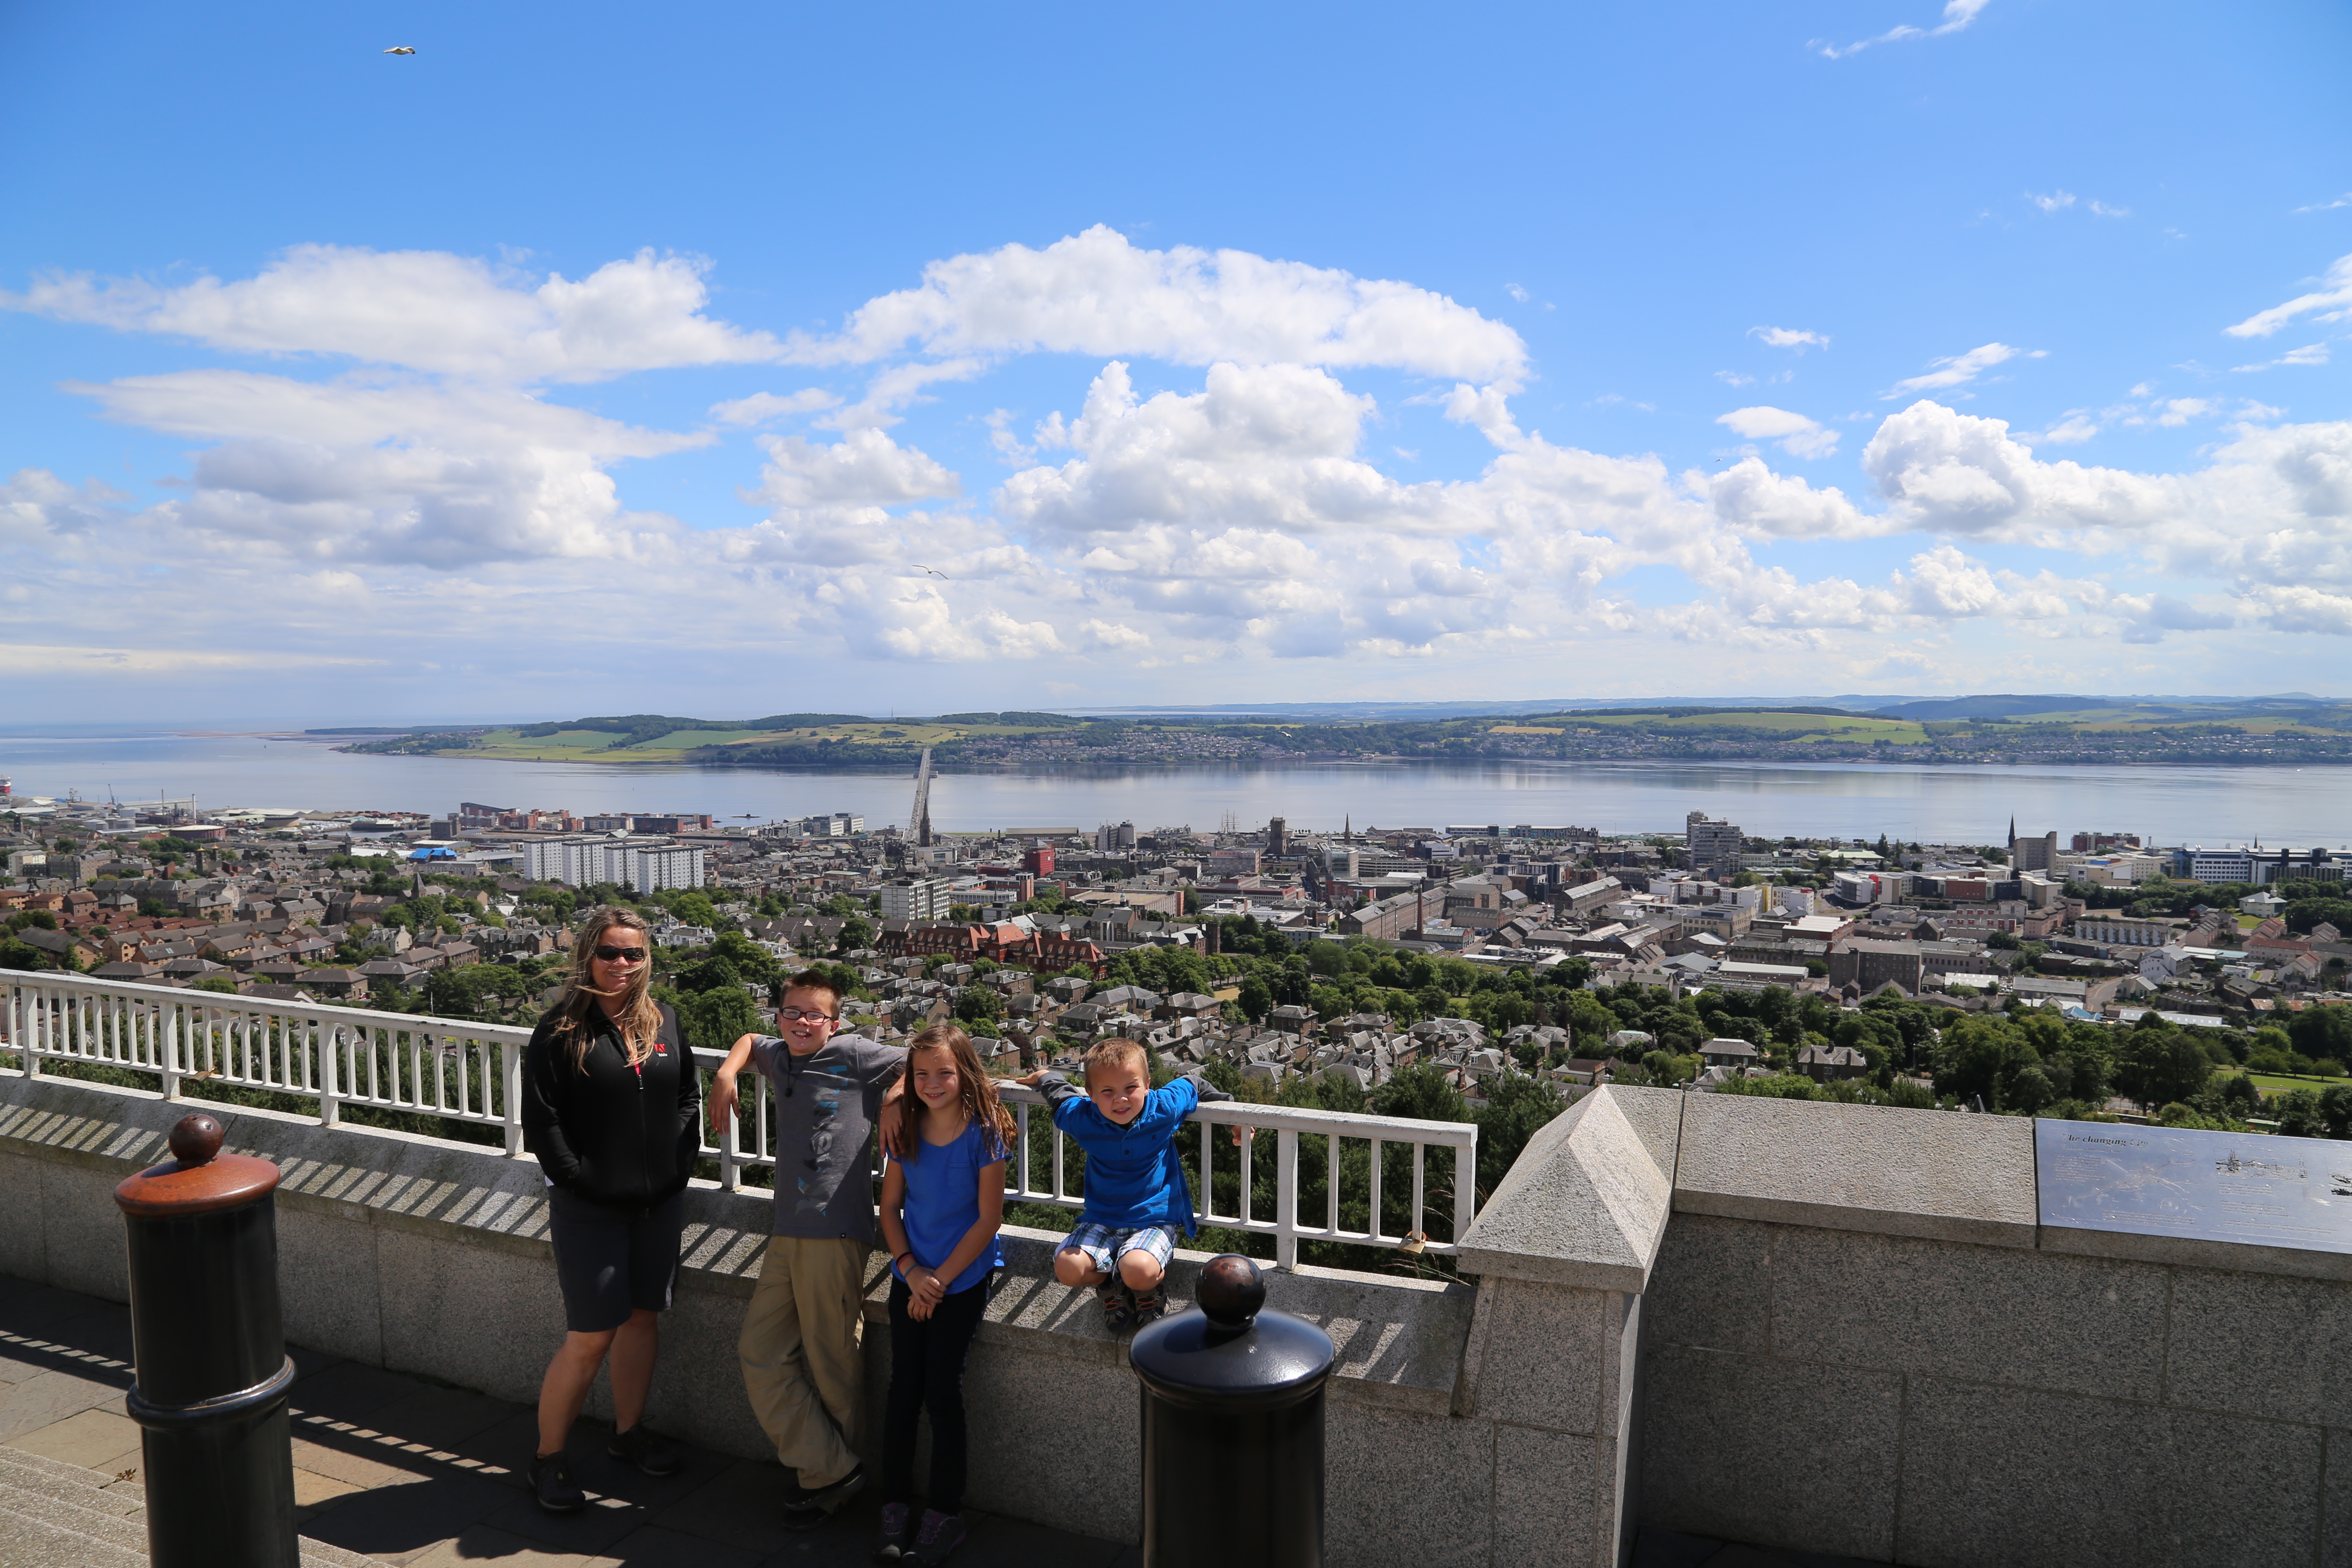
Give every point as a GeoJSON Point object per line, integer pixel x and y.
{"type": "Point", "coordinates": [611, 954]}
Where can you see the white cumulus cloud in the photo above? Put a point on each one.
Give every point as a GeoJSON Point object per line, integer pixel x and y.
{"type": "Point", "coordinates": [1098, 293]}
{"type": "Point", "coordinates": [427, 311]}
{"type": "Point", "coordinates": [865, 468]}
{"type": "Point", "coordinates": [1797, 436]}
{"type": "Point", "coordinates": [439, 476]}
{"type": "Point", "coordinates": [2274, 507]}
{"type": "Point", "coordinates": [1246, 512]}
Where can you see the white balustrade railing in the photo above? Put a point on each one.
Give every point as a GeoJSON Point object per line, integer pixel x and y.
{"type": "Point", "coordinates": [472, 1072]}
{"type": "Point", "coordinates": [337, 1055]}
{"type": "Point", "coordinates": [1227, 1140]}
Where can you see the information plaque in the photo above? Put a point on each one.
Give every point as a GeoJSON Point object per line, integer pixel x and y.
{"type": "Point", "coordinates": [2213, 1186]}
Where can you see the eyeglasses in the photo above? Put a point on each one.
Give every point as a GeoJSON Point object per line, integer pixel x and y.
{"type": "Point", "coordinates": [794, 1015]}
{"type": "Point", "coordinates": [611, 954]}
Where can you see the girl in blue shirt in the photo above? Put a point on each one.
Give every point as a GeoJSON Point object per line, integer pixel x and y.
{"type": "Point", "coordinates": [942, 1204]}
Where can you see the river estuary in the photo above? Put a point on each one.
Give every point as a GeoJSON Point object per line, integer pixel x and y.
{"type": "Point", "coordinates": [2210, 806]}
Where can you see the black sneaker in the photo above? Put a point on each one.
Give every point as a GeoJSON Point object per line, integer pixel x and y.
{"type": "Point", "coordinates": [941, 1533]}
{"type": "Point", "coordinates": [1118, 1305]}
{"type": "Point", "coordinates": [808, 1507]}
{"type": "Point", "coordinates": [550, 1482]}
{"type": "Point", "coordinates": [642, 1446]}
{"type": "Point", "coordinates": [898, 1533]}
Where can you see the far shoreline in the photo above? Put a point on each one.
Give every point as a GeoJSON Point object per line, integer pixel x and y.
{"type": "Point", "coordinates": [1272, 764]}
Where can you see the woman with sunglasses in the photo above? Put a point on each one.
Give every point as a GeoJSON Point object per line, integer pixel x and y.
{"type": "Point", "coordinates": [613, 1107]}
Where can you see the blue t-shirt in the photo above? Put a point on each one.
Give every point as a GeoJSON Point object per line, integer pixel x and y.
{"type": "Point", "coordinates": [943, 1202]}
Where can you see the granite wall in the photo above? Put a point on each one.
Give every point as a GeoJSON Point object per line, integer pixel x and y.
{"type": "Point", "coordinates": [1832, 1329]}
{"type": "Point", "coordinates": [429, 1256]}
{"type": "Point", "coordinates": [1858, 1341]}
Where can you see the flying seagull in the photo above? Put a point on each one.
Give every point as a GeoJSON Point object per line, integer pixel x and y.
{"type": "Point", "coordinates": [920, 567]}
{"type": "Point", "coordinates": [399, 49]}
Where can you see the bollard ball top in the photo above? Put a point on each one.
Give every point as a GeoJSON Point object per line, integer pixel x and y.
{"type": "Point", "coordinates": [198, 1178]}
{"type": "Point", "coordinates": [195, 1139]}
{"type": "Point", "coordinates": [1230, 1291]}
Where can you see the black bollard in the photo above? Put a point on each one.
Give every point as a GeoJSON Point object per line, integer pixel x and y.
{"type": "Point", "coordinates": [212, 1372]}
{"type": "Point", "coordinates": [1233, 1429]}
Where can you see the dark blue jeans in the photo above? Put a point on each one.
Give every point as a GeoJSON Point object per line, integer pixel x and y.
{"type": "Point", "coordinates": [927, 1373]}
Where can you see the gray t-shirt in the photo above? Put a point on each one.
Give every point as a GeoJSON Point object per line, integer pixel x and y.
{"type": "Point", "coordinates": [823, 1106]}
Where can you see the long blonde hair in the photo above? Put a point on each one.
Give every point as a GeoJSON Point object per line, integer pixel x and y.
{"type": "Point", "coordinates": [632, 1009]}
{"type": "Point", "coordinates": [973, 1087]}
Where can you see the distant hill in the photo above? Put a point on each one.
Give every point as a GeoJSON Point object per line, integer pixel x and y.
{"type": "Point", "coordinates": [2005, 706]}
{"type": "Point", "coordinates": [2004, 727]}
{"type": "Point", "coordinates": [636, 727]}
{"type": "Point", "coordinates": [1992, 706]}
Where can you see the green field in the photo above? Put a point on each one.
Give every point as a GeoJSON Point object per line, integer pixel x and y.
{"type": "Point", "coordinates": [581, 745]}
{"type": "Point", "coordinates": [564, 746]}
{"type": "Point", "coordinates": [1834, 726]}
{"type": "Point", "coordinates": [2142, 718]}
{"type": "Point", "coordinates": [2279, 1083]}
{"type": "Point", "coordinates": [879, 732]}
{"type": "Point", "coordinates": [2273, 1083]}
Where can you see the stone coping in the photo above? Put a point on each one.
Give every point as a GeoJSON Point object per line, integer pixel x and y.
{"type": "Point", "coordinates": [1939, 1174]}
{"type": "Point", "coordinates": [1398, 1339]}
{"type": "Point", "coordinates": [1581, 1207]}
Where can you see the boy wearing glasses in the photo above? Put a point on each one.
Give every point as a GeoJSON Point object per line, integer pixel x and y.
{"type": "Point", "coordinates": [802, 1364]}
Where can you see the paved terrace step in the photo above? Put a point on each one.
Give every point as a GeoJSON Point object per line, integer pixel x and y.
{"type": "Point", "coordinates": [53, 1512]}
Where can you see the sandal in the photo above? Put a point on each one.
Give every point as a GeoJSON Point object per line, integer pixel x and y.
{"type": "Point", "coordinates": [1118, 1305]}
{"type": "Point", "coordinates": [1148, 1306]}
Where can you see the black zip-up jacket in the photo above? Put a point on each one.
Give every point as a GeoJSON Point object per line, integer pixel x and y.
{"type": "Point", "coordinates": [620, 1136]}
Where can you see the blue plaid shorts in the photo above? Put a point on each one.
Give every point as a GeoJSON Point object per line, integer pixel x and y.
{"type": "Point", "coordinates": [1104, 1245]}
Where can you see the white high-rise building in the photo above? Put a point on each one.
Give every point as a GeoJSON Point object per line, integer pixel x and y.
{"type": "Point", "coordinates": [916, 898]}
{"type": "Point", "coordinates": [643, 868]}
{"type": "Point", "coordinates": [1712, 847]}
{"type": "Point", "coordinates": [579, 862]}
{"type": "Point", "coordinates": [677, 866]}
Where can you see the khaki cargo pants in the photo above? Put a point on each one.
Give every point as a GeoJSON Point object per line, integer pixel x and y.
{"type": "Point", "coordinates": [800, 1348]}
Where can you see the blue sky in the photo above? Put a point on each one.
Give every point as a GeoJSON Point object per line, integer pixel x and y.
{"type": "Point", "coordinates": [595, 359]}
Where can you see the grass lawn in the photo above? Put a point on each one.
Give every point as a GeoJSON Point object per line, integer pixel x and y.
{"type": "Point", "coordinates": [2275, 1083]}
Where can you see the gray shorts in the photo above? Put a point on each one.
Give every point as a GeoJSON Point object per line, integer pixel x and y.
{"type": "Point", "coordinates": [611, 1262]}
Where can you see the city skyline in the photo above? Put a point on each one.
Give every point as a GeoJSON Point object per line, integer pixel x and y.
{"type": "Point", "coordinates": [1849, 348]}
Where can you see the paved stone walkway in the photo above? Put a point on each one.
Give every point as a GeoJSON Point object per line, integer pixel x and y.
{"type": "Point", "coordinates": [1664, 1548]}
{"type": "Point", "coordinates": [400, 1471]}
{"type": "Point", "coordinates": [405, 1472]}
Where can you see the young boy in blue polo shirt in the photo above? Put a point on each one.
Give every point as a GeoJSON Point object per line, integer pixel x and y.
{"type": "Point", "coordinates": [1136, 1197]}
